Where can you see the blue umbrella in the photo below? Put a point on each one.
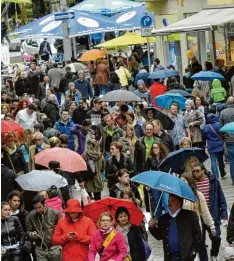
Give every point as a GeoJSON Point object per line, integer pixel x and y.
{"type": "Point", "coordinates": [229, 127]}
{"type": "Point", "coordinates": [160, 74]}
{"type": "Point", "coordinates": [105, 6]}
{"type": "Point", "coordinates": [165, 100]}
{"type": "Point", "coordinates": [207, 76]}
{"type": "Point", "coordinates": [165, 182]}
{"type": "Point", "coordinates": [175, 160]}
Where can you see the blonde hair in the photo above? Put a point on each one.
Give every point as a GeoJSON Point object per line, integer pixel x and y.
{"type": "Point", "coordinates": [6, 105]}
{"type": "Point", "coordinates": [107, 214]}
{"type": "Point", "coordinates": [187, 163]}
{"type": "Point", "coordinates": [11, 134]}
{"type": "Point", "coordinates": [134, 137]}
{"type": "Point", "coordinates": [54, 141]}
{"type": "Point", "coordinates": [184, 140]}
{"type": "Point", "coordinates": [26, 133]}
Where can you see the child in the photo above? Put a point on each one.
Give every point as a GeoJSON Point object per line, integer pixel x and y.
{"type": "Point", "coordinates": [218, 93]}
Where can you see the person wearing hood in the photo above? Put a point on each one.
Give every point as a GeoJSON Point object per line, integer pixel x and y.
{"type": "Point", "coordinates": [95, 166]}
{"type": "Point", "coordinates": [215, 144]}
{"type": "Point", "coordinates": [73, 233]}
{"type": "Point", "coordinates": [142, 91]}
{"type": "Point", "coordinates": [83, 86]}
{"type": "Point", "coordinates": [83, 133]}
{"type": "Point", "coordinates": [218, 93]}
{"type": "Point", "coordinates": [66, 79]}
{"type": "Point", "coordinates": [51, 108]}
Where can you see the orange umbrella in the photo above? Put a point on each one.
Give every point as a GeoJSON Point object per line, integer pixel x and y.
{"type": "Point", "coordinates": [92, 55]}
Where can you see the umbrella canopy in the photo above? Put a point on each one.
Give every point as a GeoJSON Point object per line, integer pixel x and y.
{"type": "Point", "coordinates": [165, 182]}
{"type": "Point", "coordinates": [11, 126]}
{"type": "Point", "coordinates": [120, 95]}
{"type": "Point", "coordinates": [38, 180]}
{"type": "Point", "coordinates": [105, 6]}
{"type": "Point", "coordinates": [69, 160]}
{"type": "Point", "coordinates": [180, 156]}
{"type": "Point", "coordinates": [126, 39]}
{"type": "Point", "coordinates": [207, 76]}
{"type": "Point", "coordinates": [228, 128]}
{"type": "Point", "coordinates": [92, 55]}
{"type": "Point", "coordinates": [166, 121]}
{"type": "Point", "coordinates": [160, 74]}
{"type": "Point", "coordinates": [84, 23]}
{"type": "Point", "coordinates": [94, 209]}
{"type": "Point", "coordinates": [181, 92]}
{"type": "Point", "coordinates": [167, 99]}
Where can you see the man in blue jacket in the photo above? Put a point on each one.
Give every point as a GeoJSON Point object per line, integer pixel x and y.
{"type": "Point", "coordinates": [209, 185]}
{"type": "Point", "coordinates": [64, 126]}
{"type": "Point", "coordinates": [83, 86]}
{"type": "Point", "coordinates": [215, 144]}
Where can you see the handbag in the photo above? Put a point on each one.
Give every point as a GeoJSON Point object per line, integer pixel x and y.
{"type": "Point", "coordinates": [108, 241]}
{"type": "Point", "coordinates": [147, 249]}
{"type": "Point", "coordinates": [215, 132]}
{"type": "Point", "coordinates": [13, 168]}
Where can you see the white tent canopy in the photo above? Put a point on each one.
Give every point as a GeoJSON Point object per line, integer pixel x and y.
{"type": "Point", "coordinates": [202, 21]}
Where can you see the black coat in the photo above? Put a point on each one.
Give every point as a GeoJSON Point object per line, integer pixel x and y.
{"type": "Point", "coordinates": [189, 233]}
{"type": "Point", "coordinates": [17, 160]}
{"type": "Point", "coordinates": [112, 166]}
{"type": "Point", "coordinates": [66, 79]}
{"type": "Point", "coordinates": [22, 86]}
{"type": "Point", "coordinates": [11, 231]}
{"type": "Point", "coordinates": [51, 111]}
{"type": "Point", "coordinates": [79, 115]}
{"type": "Point", "coordinates": [230, 229]}
{"type": "Point", "coordinates": [137, 250]}
{"type": "Point", "coordinates": [166, 140]}
{"type": "Point", "coordinates": [8, 182]}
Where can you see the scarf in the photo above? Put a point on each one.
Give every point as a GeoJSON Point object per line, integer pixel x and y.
{"type": "Point", "coordinates": [124, 230]}
{"type": "Point", "coordinates": [106, 231]}
{"type": "Point", "coordinates": [11, 151]}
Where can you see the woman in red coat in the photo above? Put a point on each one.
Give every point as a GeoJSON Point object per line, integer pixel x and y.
{"type": "Point", "coordinates": [74, 232]}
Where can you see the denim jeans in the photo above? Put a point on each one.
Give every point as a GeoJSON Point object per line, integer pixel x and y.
{"type": "Point", "coordinates": [217, 159]}
{"type": "Point", "coordinates": [102, 89]}
{"type": "Point", "coordinates": [230, 151]}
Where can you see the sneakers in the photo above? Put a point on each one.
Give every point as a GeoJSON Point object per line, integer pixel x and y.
{"type": "Point", "coordinates": [213, 258]}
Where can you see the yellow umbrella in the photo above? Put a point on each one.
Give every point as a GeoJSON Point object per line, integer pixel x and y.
{"type": "Point", "coordinates": [17, 1]}
{"type": "Point", "coordinates": [127, 39]}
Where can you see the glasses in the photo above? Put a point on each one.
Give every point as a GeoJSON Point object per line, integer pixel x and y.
{"type": "Point", "coordinates": [155, 147]}
{"type": "Point", "coordinates": [197, 170]}
{"type": "Point", "coordinates": [105, 220]}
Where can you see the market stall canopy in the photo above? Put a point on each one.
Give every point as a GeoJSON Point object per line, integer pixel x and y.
{"type": "Point", "coordinates": [17, 1]}
{"type": "Point", "coordinates": [105, 6]}
{"type": "Point", "coordinates": [202, 21]}
{"type": "Point", "coordinates": [126, 39]}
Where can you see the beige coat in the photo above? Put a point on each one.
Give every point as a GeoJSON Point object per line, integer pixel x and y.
{"type": "Point", "coordinates": [31, 163]}
{"type": "Point", "coordinates": [201, 209]}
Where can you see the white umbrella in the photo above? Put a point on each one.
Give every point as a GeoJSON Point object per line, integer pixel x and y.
{"type": "Point", "coordinates": [38, 180]}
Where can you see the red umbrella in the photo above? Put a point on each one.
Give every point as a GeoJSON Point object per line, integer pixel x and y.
{"type": "Point", "coordinates": [94, 209]}
{"type": "Point", "coordinates": [11, 126]}
{"type": "Point", "coordinates": [69, 160]}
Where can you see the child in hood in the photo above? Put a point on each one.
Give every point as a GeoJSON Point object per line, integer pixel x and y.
{"type": "Point", "coordinates": [218, 93]}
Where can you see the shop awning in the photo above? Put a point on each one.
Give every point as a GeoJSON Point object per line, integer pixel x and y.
{"type": "Point", "coordinates": [202, 21]}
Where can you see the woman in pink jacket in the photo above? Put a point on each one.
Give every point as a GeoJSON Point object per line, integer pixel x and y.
{"type": "Point", "coordinates": [116, 250]}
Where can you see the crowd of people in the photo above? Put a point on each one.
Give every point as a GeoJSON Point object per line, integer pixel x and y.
{"type": "Point", "coordinates": [62, 108]}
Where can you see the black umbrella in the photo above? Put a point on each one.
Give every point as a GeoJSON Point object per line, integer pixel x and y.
{"type": "Point", "coordinates": [120, 95]}
{"type": "Point", "coordinates": [181, 92]}
{"type": "Point", "coordinates": [165, 120]}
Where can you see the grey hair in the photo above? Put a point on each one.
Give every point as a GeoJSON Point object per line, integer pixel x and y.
{"type": "Point", "coordinates": [80, 72]}
{"type": "Point", "coordinates": [52, 98]}
{"type": "Point", "coordinates": [190, 102]}
{"type": "Point", "coordinates": [38, 134]}
{"type": "Point", "coordinates": [71, 84]}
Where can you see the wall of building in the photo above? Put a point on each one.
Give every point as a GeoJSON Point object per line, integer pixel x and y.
{"type": "Point", "coordinates": [220, 2]}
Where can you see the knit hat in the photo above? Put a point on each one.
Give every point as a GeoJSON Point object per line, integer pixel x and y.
{"type": "Point", "coordinates": [140, 82]}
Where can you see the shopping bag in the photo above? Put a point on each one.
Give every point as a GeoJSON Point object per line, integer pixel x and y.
{"type": "Point", "coordinates": [85, 199]}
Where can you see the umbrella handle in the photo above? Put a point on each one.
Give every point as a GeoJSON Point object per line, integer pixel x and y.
{"type": "Point", "coordinates": [150, 207]}
{"type": "Point", "coordinates": [158, 204]}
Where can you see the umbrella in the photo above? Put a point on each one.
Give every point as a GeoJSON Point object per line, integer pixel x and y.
{"type": "Point", "coordinates": [11, 126]}
{"type": "Point", "coordinates": [181, 92]}
{"type": "Point", "coordinates": [166, 121]}
{"type": "Point", "coordinates": [69, 160]}
{"type": "Point", "coordinates": [160, 74]}
{"type": "Point", "coordinates": [207, 76]}
{"type": "Point", "coordinates": [165, 182]}
{"type": "Point", "coordinates": [125, 40]}
{"type": "Point", "coordinates": [38, 180]}
{"type": "Point", "coordinates": [166, 99]}
{"type": "Point", "coordinates": [105, 6]}
{"type": "Point", "coordinates": [92, 55]}
{"type": "Point", "coordinates": [94, 209]}
{"type": "Point", "coordinates": [175, 160]}
{"type": "Point", "coordinates": [229, 127]}
{"type": "Point", "coordinates": [120, 95]}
